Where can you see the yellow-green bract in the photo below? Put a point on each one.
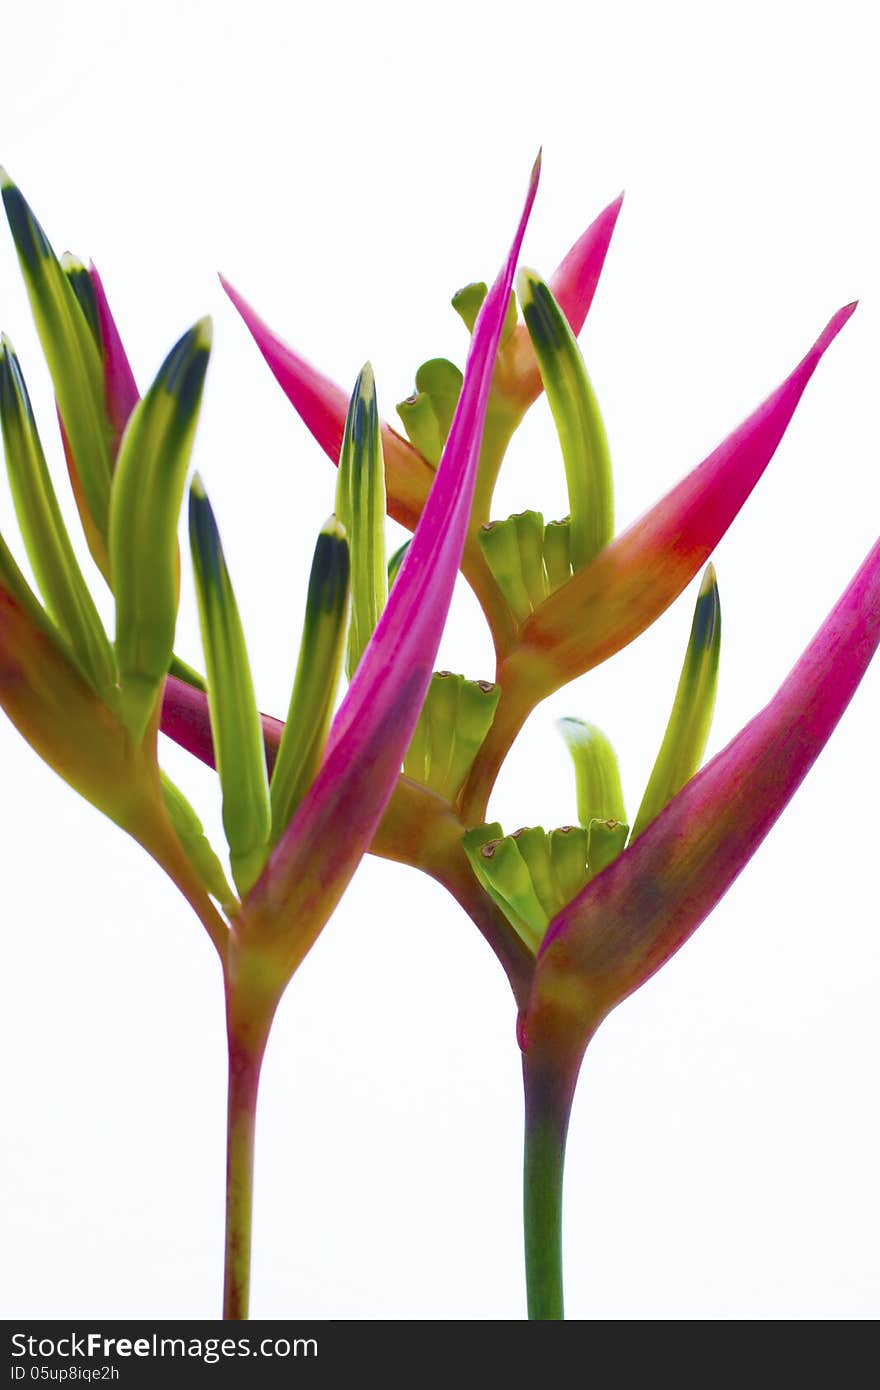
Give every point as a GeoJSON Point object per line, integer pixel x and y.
{"type": "Point", "coordinates": [145, 505]}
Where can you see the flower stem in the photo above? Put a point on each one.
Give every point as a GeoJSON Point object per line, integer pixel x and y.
{"type": "Point", "coordinates": [244, 1080]}
{"type": "Point", "coordinates": [548, 1096]}
{"type": "Point", "coordinates": [249, 1014]}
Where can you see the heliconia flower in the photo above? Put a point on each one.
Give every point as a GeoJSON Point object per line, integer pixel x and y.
{"type": "Point", "coordinates": [581, 915]}
{"type": "Point", "coordinates": [98, 727]}
{"type": "Point", "coordinates": [368, 738]}
{"type": "Point", "coordinates": [636, 914]}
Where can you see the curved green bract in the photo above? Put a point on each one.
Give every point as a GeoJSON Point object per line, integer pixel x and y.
{"type": "Point", "coordinates": [599, 793]}
{"type": "Point", "coordinates": [684, 742]}
{"type": "Point", "coordinates": [317, 676]}
{"type": "Point", "coordinates": [577, 418]}
{"type": "Point", "coordinates": [427, 414]}
{"type": "Point", "coordinates": [235, 721]}
{"type": "Point", "coordinates": [48, 545]}
{"type": "Point", "coordinates": [468, 301]}
{"type": "Point", "coordinates": [145, 507]}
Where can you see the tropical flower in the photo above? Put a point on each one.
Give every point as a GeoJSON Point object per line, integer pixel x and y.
{"type": "Point", "coordinates": [91, 705]}
{"type": "Point", "coordinates": [581, 916]}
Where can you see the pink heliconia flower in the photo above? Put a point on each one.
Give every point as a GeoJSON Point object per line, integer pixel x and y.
{"type": "Point", "coordinates": [312, 863]}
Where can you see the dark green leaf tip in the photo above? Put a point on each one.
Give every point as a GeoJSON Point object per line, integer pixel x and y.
{"type": "Point", "coordinates": [539, 309]}
{"type": "Point", "coordinates": [80, 282]}
{"type": "Point", "coordinates": [328, 582]}
{"type": "Point", "coordinates": [182, 374]}
{"type": "Point", "coordinates": [204, 534]}
{"type": "Point", "coordinates": [30, 239]}
{"type": "Point", "coordinates": [14, 398]}
{"type": "Point", "coordinates": [707, 614]}
{"type": "Point", "coordinates": [365, 413]}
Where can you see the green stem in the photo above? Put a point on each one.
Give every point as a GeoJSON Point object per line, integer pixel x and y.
{"type": "Point", "coordinates": [548, 1096]}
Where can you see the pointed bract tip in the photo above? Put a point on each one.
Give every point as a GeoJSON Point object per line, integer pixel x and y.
{"type": "Point", "coordinates": [71, 262]}
{"type": "Point", "coordinates": [197, 487]}
{"type": "Point", "coordinates": [6, 345]}
{"type": "Point", "coordinates": [366, 382]}
{"type": "Point", "coordinates": [834, 325]}
{"type": "Point", "coordinates": [535, 175]}
{"type": "Point", "coordinates": [334, 528]}
{"type": "Point", "coordinates": [203, 333]}
{"type": "Point", "coordinates": [710, 580]}
{"type": "Point", "coordinates": [526, 280]}
{"type": "Point", "coordinates": [5, 180]}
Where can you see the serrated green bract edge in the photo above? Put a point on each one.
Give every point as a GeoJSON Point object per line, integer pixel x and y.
{"type": "Point", "coordinates": [454, 720]}
{"type": "Point", "coordinates": [597, 776]}
{"type": "Point", "coordinates": [577, 418]}
{"type": "Point", "coordinates": [684, 742]}
{"type": "Point", "coordinates": [499, 542]}
{"type": "Point", "coordinates": [501, 870]}
{"type": "Point", "coordinates": [360, 507]}
{"type": "Point", "coordinates": [148, 487]}
{"type": "Point", "coordinates": [607, 839]}
{"type": "Point", "coordinates": [317, 676]}
{"type": "Point", "coordinates": [51, 554]}
{"type": "Point", "coordinates": [235, 721]}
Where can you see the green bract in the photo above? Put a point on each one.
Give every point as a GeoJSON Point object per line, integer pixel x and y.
{"type": "Point", "coordinates": [72, 357]}
{"type": "Point", "coordinates": [235, 721]}
{"type": "Point", "coordinates": [147, 492]}
{"type": "Point", "coordinates": [684, 742]}
{"type": "Point", "coordinates": [317, 676]}
{"type": "Point", "coordinates": [58, 575]}
{"type": "Point", "coordinates": [360, 506]}
{"type": "Point", "coordinates": [578, 421]}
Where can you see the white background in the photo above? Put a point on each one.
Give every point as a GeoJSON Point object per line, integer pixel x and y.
{"type": "Point", "coordinates": [349, 168]}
